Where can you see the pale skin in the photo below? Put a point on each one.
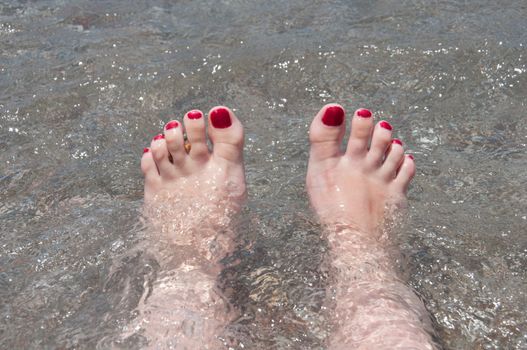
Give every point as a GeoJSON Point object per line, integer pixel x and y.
{"type": "Point", "coordinates": [189, 199]}
{"type": "Point", "coordinates": [352, 191]}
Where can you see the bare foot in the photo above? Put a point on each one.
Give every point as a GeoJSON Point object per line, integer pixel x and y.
{"type": "Point", "coordinates": [354, 192]}
{"type": "Point", "coordinates": [169, 169]}
{"type": "Point", "coordinates": [190, 197]}
{"type": "Point", "coordinates": [199, 188]}
{"type": "Point", "coordinates": [359, 185]}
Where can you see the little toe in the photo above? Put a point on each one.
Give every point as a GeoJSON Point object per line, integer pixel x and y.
{"type": "Point", "coordinates": [326, 132]}
{"type": "Point", "coordinates": [405, 174]}
{"type": "Point", "coordinates": [175, 143]}
{"type": "Point", "coordinates": [197, 138]}
{"type": "Point", "coordinates": [361, 129]}
{"type": "Point", "coordinates": [160, 154]}
{"type": "Point", "coordinates": [148, 166]}
{"type": "Point", "coordinates": [149, 169]}
{"type": "Point", "coordinates": [393, 160]}
{"type": "Point", "coordinates": [226, 134]}
{"type": "Point", "coordinates": [380, 141]}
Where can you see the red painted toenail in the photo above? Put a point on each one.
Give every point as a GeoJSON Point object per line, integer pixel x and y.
{"type": "Point", "coordinates": [220, 118]}
{"type": "Point", "coordinates": [333, 116]}
{"type": "Point", "coordinates": [171, 125]}
{"type": "Point", "coordinates": [159, 137]}
{"type": "Point", "coordinates": [397, 141]}
{"type": "Point", "coordinates": [364, 113]}
{"type": "Point", "coordinates": [385, 125]}
{"type": "Point", "coordinates": [410, 156]}
{"type": "Point", "coordinates": [194, 114]}
{"type": "Point", "coordinates": [146, 150]}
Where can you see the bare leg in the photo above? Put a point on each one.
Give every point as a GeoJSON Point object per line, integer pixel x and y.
{"type": "Point", "coordinates": [190, 198]}
{"type": "Point", "coordinates": [353, 192]}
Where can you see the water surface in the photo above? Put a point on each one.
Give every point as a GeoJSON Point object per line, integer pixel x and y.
{"type": "Point", "coordinates": [84, 85]}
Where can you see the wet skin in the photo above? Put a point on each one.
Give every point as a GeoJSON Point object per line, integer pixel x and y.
{"type": "Point", "coordinates": [353, 192]}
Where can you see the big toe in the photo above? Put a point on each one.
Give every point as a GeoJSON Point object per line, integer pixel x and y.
{"type": "Point", "coordinates": [226, 134]}
{"type": "Point", "coordinates": [326, 132]}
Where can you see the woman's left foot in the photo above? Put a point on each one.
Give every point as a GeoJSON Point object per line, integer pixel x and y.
{"type": "Point", "coordinates": [190, 194]}
{"type": "Point", "coordinates": [168, 167]}
{"type": "Point", "coordinates": [186, 184]}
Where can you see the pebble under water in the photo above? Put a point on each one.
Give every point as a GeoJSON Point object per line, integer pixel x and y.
{"type": "Point", "coordinates": [84, 85]}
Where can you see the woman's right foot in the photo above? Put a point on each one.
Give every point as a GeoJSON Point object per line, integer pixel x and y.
{"type": "Point", "coordinates": [357, 187]}
{"type": "Point", "coordinates": [353, 192]}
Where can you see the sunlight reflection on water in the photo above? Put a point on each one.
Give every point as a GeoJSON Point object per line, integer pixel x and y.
{"type": "Point", "coordinates": [84, 87]}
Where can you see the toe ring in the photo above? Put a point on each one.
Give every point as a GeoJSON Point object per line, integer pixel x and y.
{"type": "Point", "coordinates": [186, 143]}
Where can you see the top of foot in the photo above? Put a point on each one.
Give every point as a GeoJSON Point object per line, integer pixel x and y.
{"type": "Point", "coordinates": [186, 179]}
{"type": "Point", "coordinates": [360, 185]}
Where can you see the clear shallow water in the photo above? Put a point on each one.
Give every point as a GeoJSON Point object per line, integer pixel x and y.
{"type": "Point", "coordinates": [84, 85]}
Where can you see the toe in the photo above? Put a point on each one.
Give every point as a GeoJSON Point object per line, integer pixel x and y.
{"type": "Point", "coordinates": [148, 166]}
{"type": "Point", "coordinates": [393, 160]}
{"type": "Point", "coordinates": [160, 154]}
{"type": "Point", "coordinates": [326, 132]}
{"type": "Point", "coordinates": [175, 143]}
{"type": "Point", "coordinates": [149, 169]}
{"type": "Point", "coordinates": [226, 134]}
{"type": "Point", "coordinates": [405, 174]}
{"type": "Point", "coordinates": [195, 128]}
{"type": "Point", "coordinates": [361, 129]}
{"type": "Point", "coordinates": [380, 141]}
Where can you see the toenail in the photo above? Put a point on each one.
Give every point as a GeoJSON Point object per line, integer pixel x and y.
{"type": "Point", "coordinates": [220, 118]}
{"type": "Point", "coordinates": [385, 125]}
{"type": "Point", "coordinates": [146, 150]}
{"type": "Point", "coordinates": [397, 141]}
{"type": "Point", "coordinates": [171, 125]}
{"type": "Point", "coordinates": [333, 116]}
{"type": "Point", "coordinates": [410, 156]}
{"type": "Point", "coordinates": [364, 113]}
{"type": "Point", "coordinates": [195, 114]}
{"type": "Point", "coordinates": [159, 137]}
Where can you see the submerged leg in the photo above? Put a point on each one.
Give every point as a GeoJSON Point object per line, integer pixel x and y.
{"type": "Point", "coordinates": [191, 195]}
{"type": "Point", "coordinates": [354, 192]}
